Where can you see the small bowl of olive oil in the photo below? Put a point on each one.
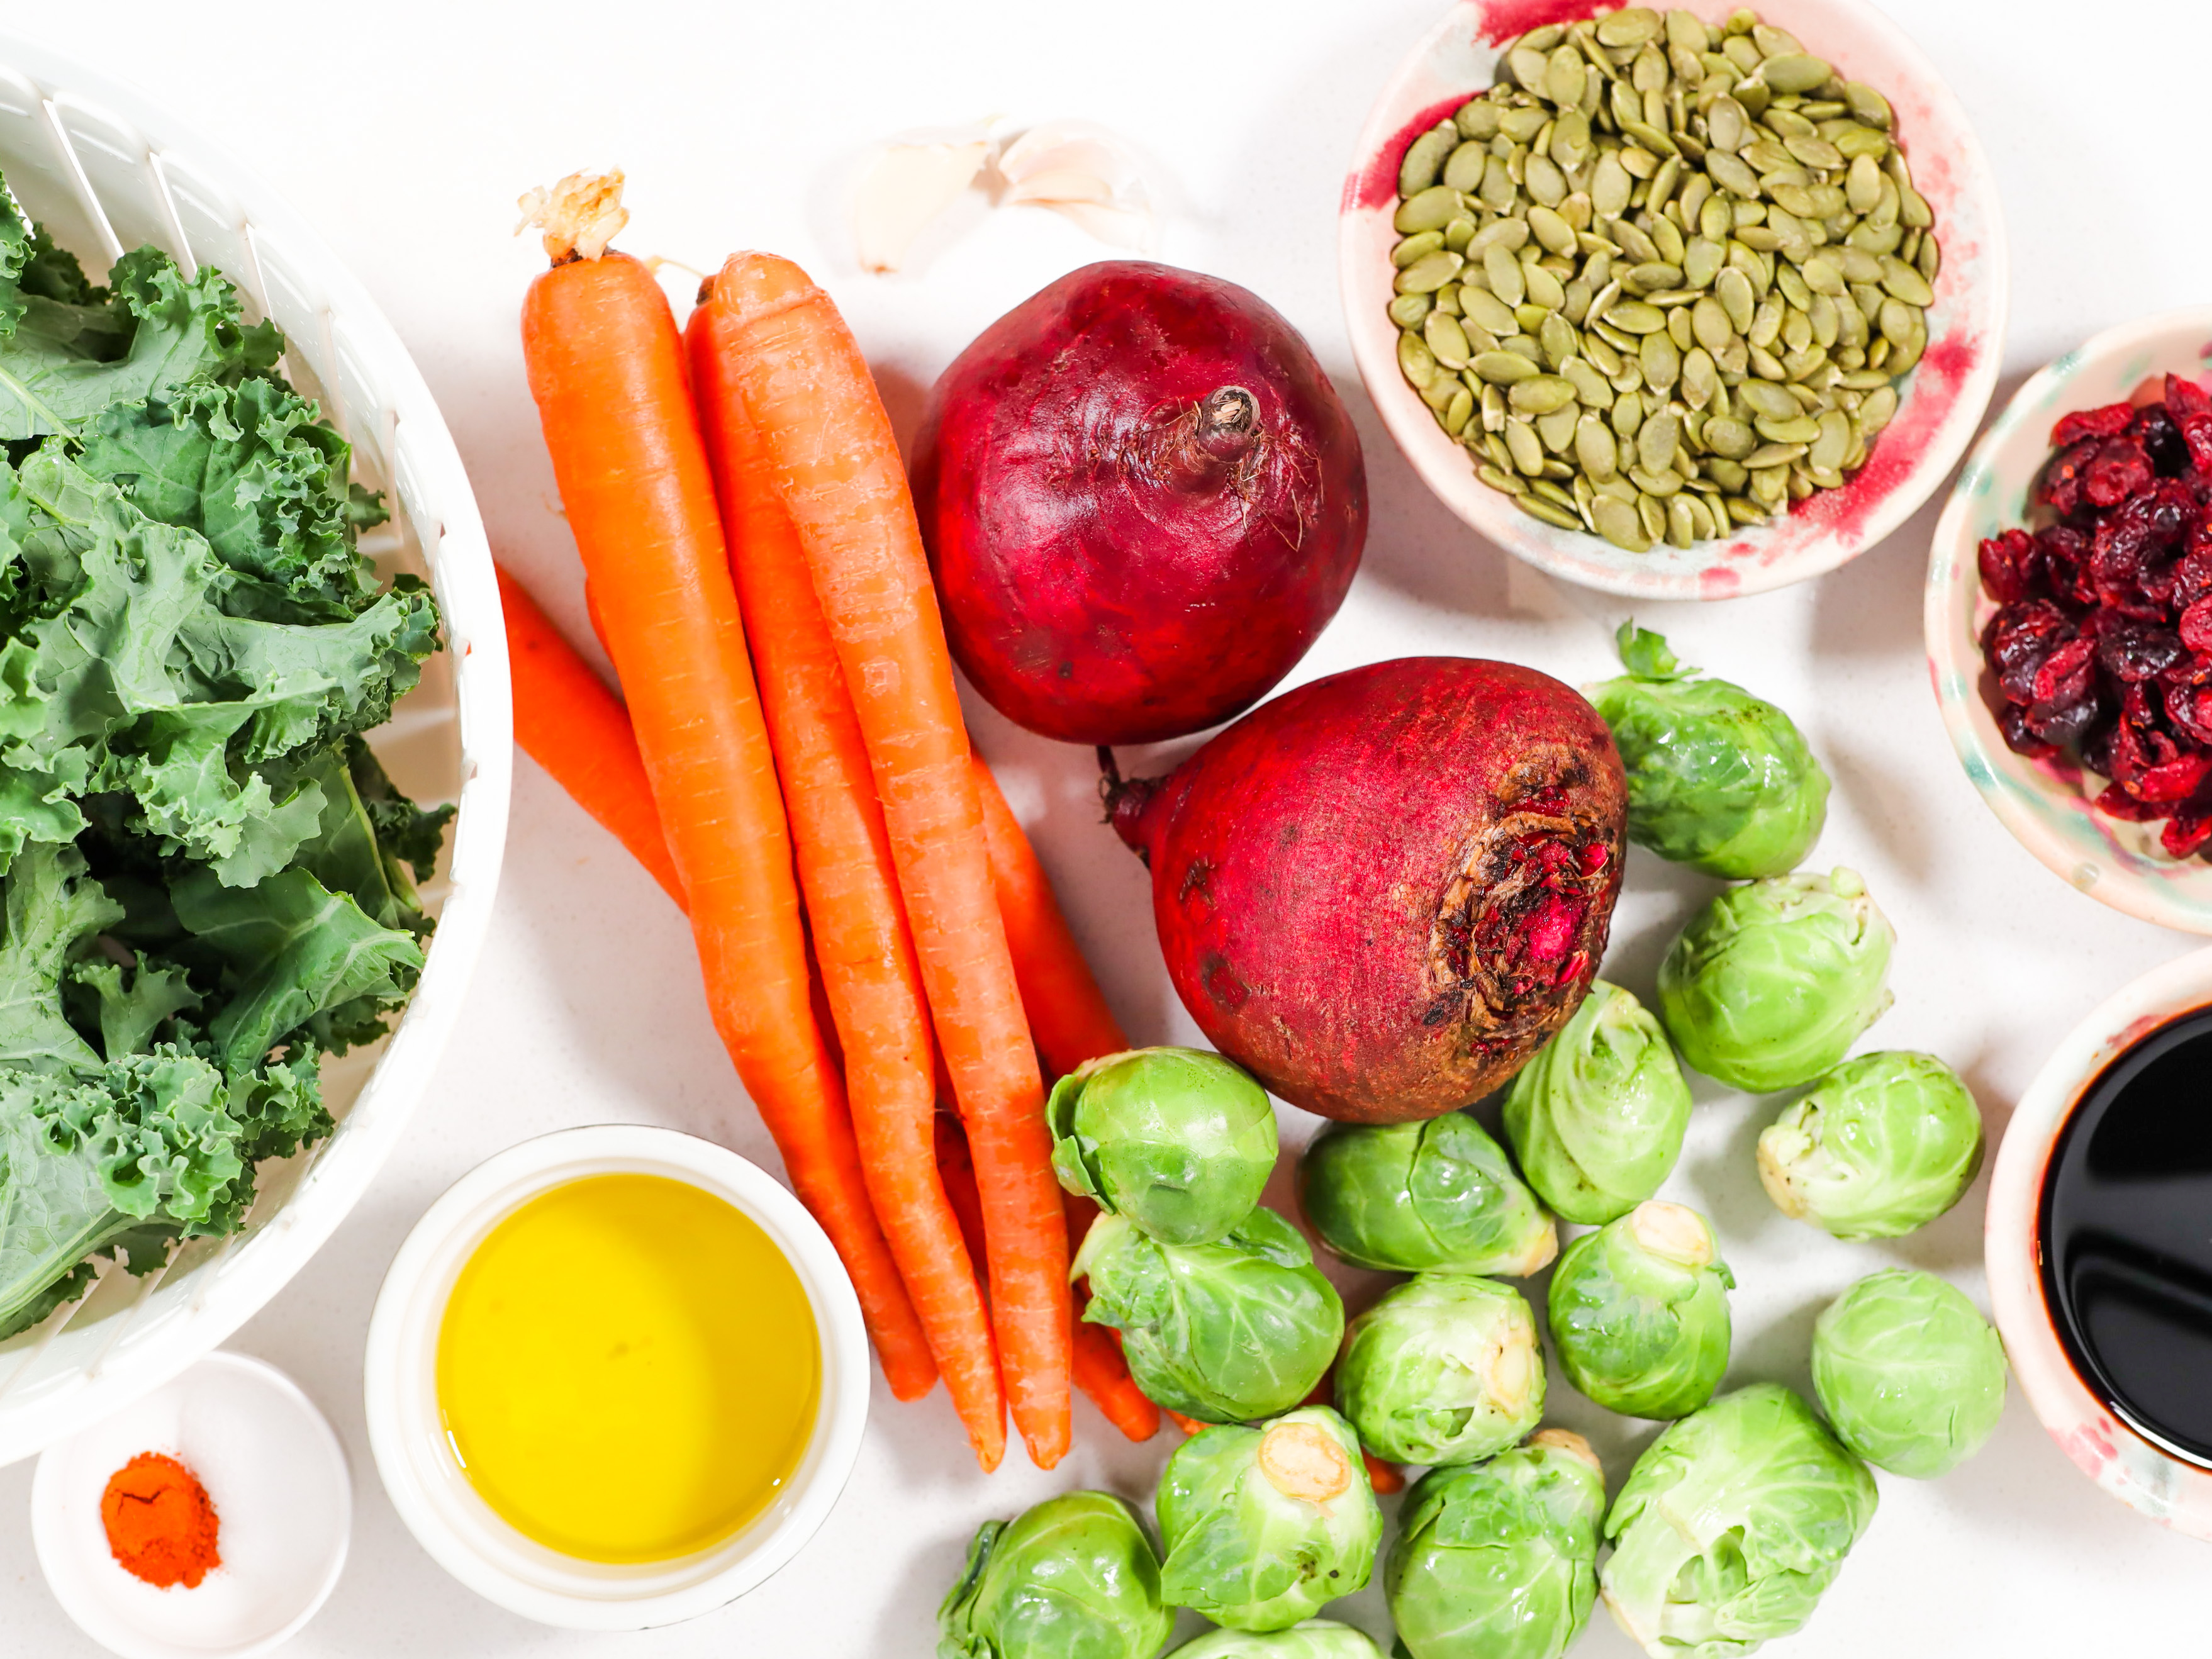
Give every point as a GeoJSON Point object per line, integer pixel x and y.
{"type": "Point", "coordinates": [616, 1378]}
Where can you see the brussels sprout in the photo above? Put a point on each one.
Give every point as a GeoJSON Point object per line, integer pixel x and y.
{"type": "Point", "coordinates": [1639, 1311]}
{"type": "Point", "coordinates": [1439, 1196]}
{"type": "Point", "coordinates": [1317, 1639]}
{"type": "Point", "coordinates": [1596, 1119]}
{"type": "Point", "coordinates": [1444, 1368]}
{"type": "Point", "coordinates": [1910, 1373]}
{"type": "Point", "coordinates": [1073, 1578]}
{"type": "Point", "coordinates": [1227, 1332]}
{"type": "Point", "coordinates": [1263, 1526]}
{"type": "Point", "coordinates": [1731, 1525]}
{"type": "Point", "coordinates": [1498, 1560]}
{"type": "Point", "coordinates": [1717, 779]}
{"type": "Point", "coordinates": [1879, 1145]}
{"type": "Point", "coordinates": [1770, 984]}
{"type": "Point", "coordinates": [1179, 1141]}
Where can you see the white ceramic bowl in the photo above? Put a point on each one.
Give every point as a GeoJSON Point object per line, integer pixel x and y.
{"type": "Point", "coordinates": [416, 1457]}
{"type": "Point", "coordinates": [2140, 1474]}
{"type": "Point", "coordinates": [283, 1504]}
{"type": "Point", "coordinates": [2045, 803]}
{"type": "Point", "coordinates": [105, 168]}
{"type": "Point", "coordinates": [1943, 398]}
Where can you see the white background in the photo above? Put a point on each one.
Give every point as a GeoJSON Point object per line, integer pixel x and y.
{"type": "Point", "coordinates": [404, 131]}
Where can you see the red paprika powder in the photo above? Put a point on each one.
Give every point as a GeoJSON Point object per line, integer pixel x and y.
{"type": "Point", "coordinates": [161, 1524]}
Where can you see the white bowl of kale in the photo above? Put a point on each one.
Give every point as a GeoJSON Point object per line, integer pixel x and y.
{"type": "Point", "coordinates": [246, 612]}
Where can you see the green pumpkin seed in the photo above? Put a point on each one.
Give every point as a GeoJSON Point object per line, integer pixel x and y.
{"type": "Point", "coordinates": [1733, 289]}
{"type": "Point", "coordinates": [1792, 287]}
{"type": "Point", "coordinates": [1661, 362]}
{"type": "Point", "coordinates": [1562, 76]}
{"type": "Point", "coordinates": [1570, 141]}
{"type": "Point", "coordinates": [1557, 429]}
{"type": "Point", "coordinates": [1477, 119]}
{"type": "Point", "coordinates": [1554, 232]}
{"type": "Point", "coordinates": [1431, 209]}
{"type": "Point", "coordinates": [1503, 271]}
{"type": "Point", "coordinates": [1636, 317]}
{"type": "Point", "coordinates": [1655, 442]}
{"type": "Point", "coordinates": [1463, 171]}
{"type": "Point", "coordinates": [1430, 272]}
{"type": "Point", "coordinates": [1869, 106]}
{"type": "Point", "coordinates": [1543, 288]}
{"type": "Point", "coordinates": [1498, 190]}
{"type": "Point", "coordinates": [1833, 443]}
{"type": "Point", "coordinates": [1504, 367]}
{"type": "Point", "coordinates": [1529, 64]}
{"type": "Point", "coordinates": [1447, 341]}
{"type": "Point", "coordinates": [1627, 414]}
{"type": "Point", "coordinates": [1522, 124]}
{"type": "Point", "coordinates": [1486, 309]}
{"type": "Point", "coordinates": [1709, 321]}
{"type": "Point", "coordinates": [1731, 174]}
{"type": "Point", "coordinates": [1549, 511]}
{"type": "Point", "coordinates": [1767, 457]}
{"type": "Point", "coordinates": [1620, 523]}
{"type": "Point", "coordinates": [1558, 340]}
{"type": "Point", "coordinates": [1416, 247]}
{"type": "Point", "coordinates": [1424, 159]}
{"type": "Point", "coordinates": [1437, 393]}
{"type": "Point", "coordinates": [1492, 404]}
{"type": "Point", "coordinates": [1905, 283]}
{"type": "Point", "coordinates": [1798, 429]}
{"type": "Point", "coordinates": [1795, 71]}
{"type": "Point", "coordinates": [1591, 388]}
{"type": "Point", "coordinates": [1651, 278]}
{"type": "Point", "coordinates": [1898, 321]}
{"type": "Point", "coordinates": [1930, 260]}
{"type": "Point", "coordinates": [1540, 394]}
{"type": "Point", "coordinates": [1526, 449]}
{"type": "Point", "coordinates": [1410, 310]}
{"type": "Point", "coordinates": [1511, 482]}
{"type": "Point", "coordinates": [1610, 186]}
{"type": "Point", "coordinates": [1595, 447]}
{"type": "Point", "coordinates": [1878, 409]}
{"type": "Point", "coordinates": [1701, 261]}
{"type": "Point", "coordinates": [1415, 360]}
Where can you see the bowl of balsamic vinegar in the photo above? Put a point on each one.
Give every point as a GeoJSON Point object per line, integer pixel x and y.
{"type": "Point", "coordinates": [2098, 1245]}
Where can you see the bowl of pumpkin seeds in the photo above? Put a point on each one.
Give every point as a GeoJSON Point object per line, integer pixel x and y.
{"type": "Point", "coordinates": [1675, 304]}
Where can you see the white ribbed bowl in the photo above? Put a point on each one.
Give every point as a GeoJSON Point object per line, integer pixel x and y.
{"type": "Point", "coordinates": [105, 169]}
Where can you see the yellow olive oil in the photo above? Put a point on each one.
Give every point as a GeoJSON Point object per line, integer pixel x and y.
{"type": "Point", "coordinates": [627, 1368]}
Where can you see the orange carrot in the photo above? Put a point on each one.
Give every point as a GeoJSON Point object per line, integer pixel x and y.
{"type": "Point", "coordinates": [787, 356]}
{"type": "Point", "coordinates": [1068, 1015]}
{"type": "Point", "coordinates": [568, 722]}
{"type": "Point", "coordinates": [851, 888]}
{"type": "Point", "coordinates": [1187, 1424]}
{"type": "Point", "coordinates": [606, 368]}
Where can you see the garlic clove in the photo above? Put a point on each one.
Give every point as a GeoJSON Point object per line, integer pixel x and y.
{"type": "Point", "coordinates": [1085, 173]}
{"type": "Point", "coordinates": [906, 185]}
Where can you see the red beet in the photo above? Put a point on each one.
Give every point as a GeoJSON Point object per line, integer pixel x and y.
{"type": "Point", "coordinates": [1143, 501]}
{"type": "Point", "coordinates": [1381, 892]}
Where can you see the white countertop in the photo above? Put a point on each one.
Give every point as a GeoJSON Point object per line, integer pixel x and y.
{"type": "Point", "coordinates": [404, 131]}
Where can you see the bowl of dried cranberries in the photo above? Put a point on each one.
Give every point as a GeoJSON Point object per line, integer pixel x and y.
{"type": "Point", "coordinates": [2069, 617]}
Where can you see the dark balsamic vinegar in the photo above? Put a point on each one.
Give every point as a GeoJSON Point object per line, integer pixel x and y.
{"type": "Point", "coordinates": [2126, 1235]}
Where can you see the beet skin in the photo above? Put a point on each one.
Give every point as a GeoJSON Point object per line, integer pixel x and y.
{"type": "Point", "coordinates": [1143, 500]}
{"type": "Point", "coordinates": [1384, 892]}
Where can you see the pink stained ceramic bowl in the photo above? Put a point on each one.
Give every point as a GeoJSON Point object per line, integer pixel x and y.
{"type": "Point", "coordinates": [1944, 399]}
{"type": "Point", "coordinates": [2170, 1489]}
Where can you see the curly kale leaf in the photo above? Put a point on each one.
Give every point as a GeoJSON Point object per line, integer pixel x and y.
{"type": "Point", "coordinates": [146, 1139]}
{"type": "Point", "coordinates": [252, 469]}
{"type": "Point", "coordinates": [130, 679]}
{"type": "Point", "coordinates": [67, 350]}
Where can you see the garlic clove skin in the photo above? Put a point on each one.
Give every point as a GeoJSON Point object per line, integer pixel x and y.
{"type": "Point", "coordinates": [906, 185]}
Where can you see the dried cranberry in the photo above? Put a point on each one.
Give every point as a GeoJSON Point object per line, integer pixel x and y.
{"type": "Point", "coordinates": [2185, 397]}
{"type": "Point", "coordinates": [2116, 803]}
{"type": "Point", "coordinates": [2177, 779]}
{"type": "Point", "coordinates": [2107, 422]}
{"type": "Point", "coordinates": [2064, 677]}
{"type": "Point", "coordinates": [2189, 707]}
{"type": "Point", "coordinates": [2133, 650]}
{"type": "Point", "coordinates": [2197, 438]}
{"type": "Point", "coordinates": [2119, 470]}
{"type": "Point", "coordinates": [2012, 721]}
{"type": "Point", "coordinates": [2185, 833]}
{"type": "Point", "coordinates": [2059, 489]}
{"type": "Point", "coordinates": [2062, 725]}
{"type": "Point", "coordinates": [2009, 566]}
{"type": "Point", "coordinates": [2155, 430]}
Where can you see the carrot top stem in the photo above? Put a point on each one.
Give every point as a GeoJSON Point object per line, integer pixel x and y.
{"type": "Point", "coordinates": [579, 215]}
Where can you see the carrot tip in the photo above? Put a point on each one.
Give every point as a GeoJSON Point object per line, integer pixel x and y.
{"type": "Point", "coordinates": [579, 215]}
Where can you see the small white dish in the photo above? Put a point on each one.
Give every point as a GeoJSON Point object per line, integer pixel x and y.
{"type": "Point", "coordinates": [2145, 1476]}
{"type": "Point", "coordinates": [2045, 803]}
{"type": "Point", "coordinates": [1943, 398]}
{"type": "Point", "coordinates": [283, 1504]}
{"type": "Point", "coordinates": [462, 1533]}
